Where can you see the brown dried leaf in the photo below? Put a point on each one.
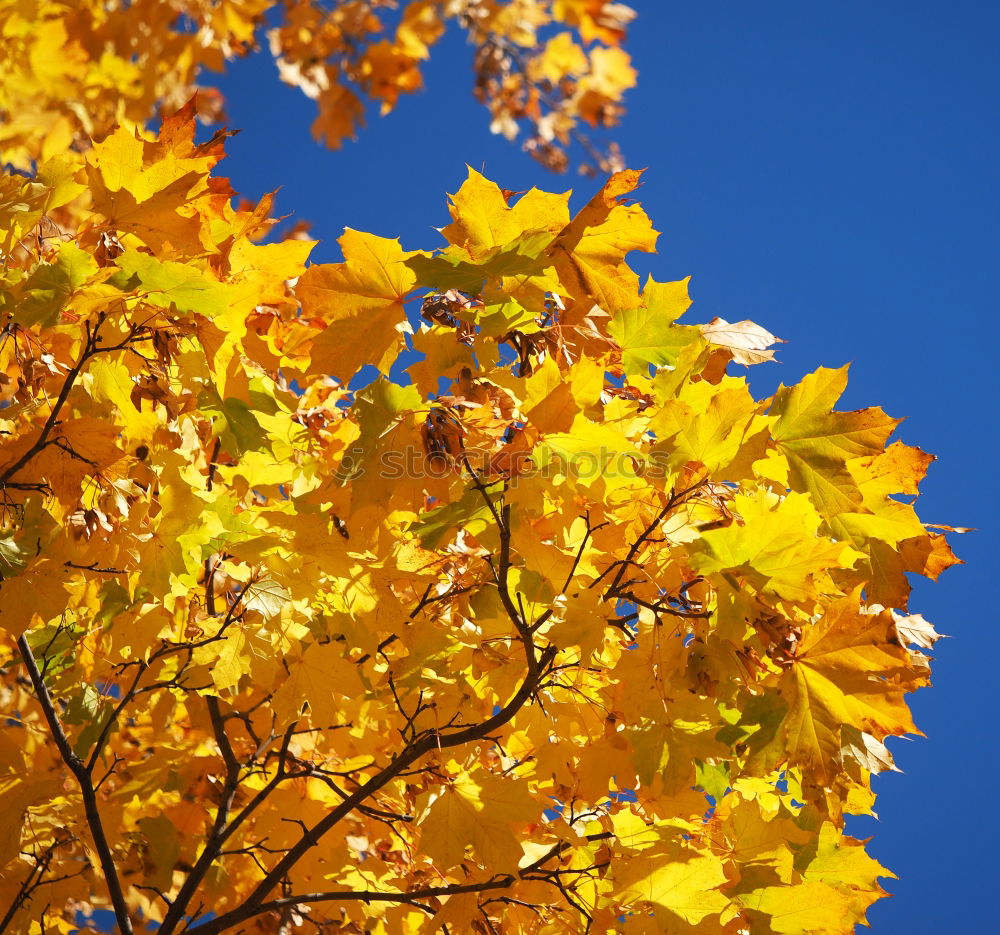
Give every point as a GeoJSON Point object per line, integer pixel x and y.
{"type": "Point", "coordinates": [746, 341]}
{"type": "Point", "coordinates": [914, 629]}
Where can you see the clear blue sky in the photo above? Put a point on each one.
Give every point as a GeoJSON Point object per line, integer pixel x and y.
{"type": "Point", "coordinates": [829, 171]}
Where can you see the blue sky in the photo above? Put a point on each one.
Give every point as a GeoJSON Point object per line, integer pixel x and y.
{"type": "Point", "coordinates": [828, 171]}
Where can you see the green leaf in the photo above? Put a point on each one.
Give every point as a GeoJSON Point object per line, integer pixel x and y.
{"type": "Point", "coordinates": [11, 557]}
{"type": "Point", "coordinates": [818, 441]}
{"type": "Point", "coordinates": [502, 317]}
{"type": "Point", "coordinates": [469, 512]}
{"type": "Point", "coordinates": [169, 284]}
{"type": "Point", "coordinates": [50, 284]}
{"type": "Point", "coordinates": [713, 778]}
{"type": "Point", "coordinates": [113, 600]}
{"type": "Point", "coordinates": [447, 271]}
{"type": "Point", "coordinates": [236, 423]}
{"type": "Point", "coordinates": [378, 406]}
{"type": "Point", "coordinates": [244, 426]}
{"type": "Point", "coordinates": [647, 335]}
{"type": "Point", "coordinates": [88, 708]}
{"type": "Point", "coordinates": [54, 646]}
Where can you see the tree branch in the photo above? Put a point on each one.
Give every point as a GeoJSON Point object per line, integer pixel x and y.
{"type": "Point", "coordinates": [90, 349]}
{"type": "Point", "coordinates": [417, 746]}
{"type": "Point", "coordinates": [411, 897]}
{"type": "Point", "coordinates": [375, 896]}
{"type": "Point", "coordinates": [673, 501]}
{"type": "Point", "coordinates": [35, 880]}
{"type": "Point", "coordinates": [87, 790]}
{"type": "Point", "coordinates": [221, 831]}
{"type": "Point", "coordinates": [113, 717]}
{"type": "Point", "coordinates": [425, 744]}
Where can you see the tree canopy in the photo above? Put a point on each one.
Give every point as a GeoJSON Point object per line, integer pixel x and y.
{"type": "Point", "coordinates": [455, 589]}
{"type": "Point", "coordinates": [73, 69]}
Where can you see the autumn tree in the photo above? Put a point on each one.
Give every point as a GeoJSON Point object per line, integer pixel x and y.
{"type": "Point", "coordinates": [550, 628]}
{"type": "Point", "coordinates": [73, 69]}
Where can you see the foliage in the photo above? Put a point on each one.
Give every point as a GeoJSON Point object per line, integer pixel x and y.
{"type": "Point", "coordinates": [72, 69]}
{"type": "Point", "coordinates": [550, 627]}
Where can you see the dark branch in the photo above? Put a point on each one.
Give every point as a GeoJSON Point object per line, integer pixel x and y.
{"type": "Point", "coordinates": [87, 790]}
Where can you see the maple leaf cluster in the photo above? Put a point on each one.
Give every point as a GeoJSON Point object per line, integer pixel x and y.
{"type": "Point", "coordinates": [72, 71]}
{"type": "Point", "coordinates": [552, 627]}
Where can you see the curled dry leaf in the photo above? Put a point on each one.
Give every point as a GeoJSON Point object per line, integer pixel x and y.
{"type": "Point", "coordinates": [870, 753]}
{"type": "Point", "coordinates": [915, 630]}
{"type": "Point", "coordinates": [746, 341]}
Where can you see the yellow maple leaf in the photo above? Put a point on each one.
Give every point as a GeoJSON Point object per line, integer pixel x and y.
{"type": "Point", "coordinates": [361, 303]}
{"type": "Point", "coordinates": [144, 195]}
{"type": "Point", "coordinates": [848, 670]}
{"type": "Point", "coordinates": [478, 810]}
{"type": "Point", "coordinates": [776, 546]}
{"type": "Point", "coordinates": [483, 221]}
{"type": "Point", "coordinates": [677, 886]}
{"type": "Point", "coordinates": [818, 442]}
{"type": "Point", "coordinates": [589, 253]}
{"type": "Point", "coordinates": [320, 678]}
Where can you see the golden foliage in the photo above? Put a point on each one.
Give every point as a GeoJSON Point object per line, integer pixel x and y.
{"type": "Point", "coordinates": [567, 633]}
{"type": "Point", "coordinates": [71, 71]}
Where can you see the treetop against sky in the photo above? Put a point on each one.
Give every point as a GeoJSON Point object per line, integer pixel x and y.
{"type": "Point", "coordinates": [549, 625]}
